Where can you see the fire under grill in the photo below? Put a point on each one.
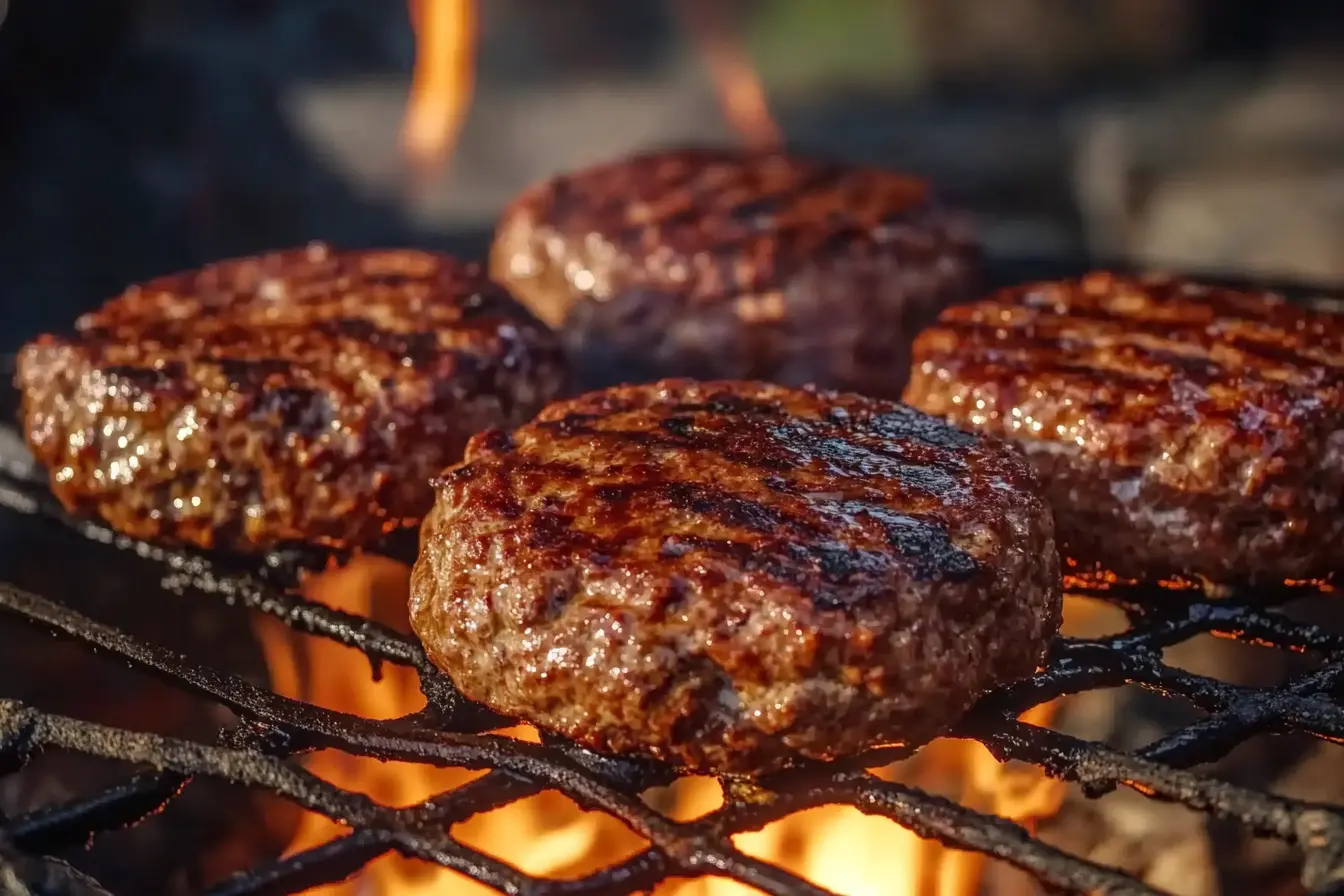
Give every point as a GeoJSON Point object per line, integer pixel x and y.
{"type": "Point", "coordinates": [259, 752]}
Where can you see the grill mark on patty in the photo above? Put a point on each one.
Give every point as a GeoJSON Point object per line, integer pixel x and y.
{"type": "Point", "coordinates": [760, 444]}
{"type": "Point", "coordinates": [302, 394]}
{"type": "Point", "coordinates": [729, 404]}
{"type": "Point", "coordinates": [906, 422]}
{"type": "Point", "coordinates": [920, 539]}
{"type": "Point", "coordinates": [834, 533]}
{"type": "Point", "coordinates": [725, 617]}
{"type": "Point", "coordinates": [712, 503]}
{"type": "Point", "coordinates": [716, 210]}
{"type": "Point", "coordinates": [225, 313]}
{"type": "Point", "coordinates": [1154, 378]}
{"type": "Point", "coordinates": [1210, 336]}
{"type": "Point", "coordinates": [769, 204]}
{"type": "Point", "coordinates": [1177, 429]}
{"type": "Point", "coordinates": [846, 576]}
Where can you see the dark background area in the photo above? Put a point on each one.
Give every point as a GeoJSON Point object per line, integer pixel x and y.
{"type": "Point", "coordinates": [142, 136]}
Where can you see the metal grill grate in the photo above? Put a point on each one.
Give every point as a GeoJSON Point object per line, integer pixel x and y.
{"type": "Point", "coordinates": [258, 753]}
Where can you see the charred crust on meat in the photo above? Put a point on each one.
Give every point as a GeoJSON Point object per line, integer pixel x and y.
{"type": "Point", "coordinates": [718, 263]}
{"type": "Point", "coordinates": [734, 576]}
{"type": "Point", "coordinates": [1178, 428]}
{"type": "Point", "coordinates": [303, 395]}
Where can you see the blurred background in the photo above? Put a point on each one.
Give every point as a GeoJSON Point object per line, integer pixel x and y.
{"type": "Point", "coordinates": [142, 136]}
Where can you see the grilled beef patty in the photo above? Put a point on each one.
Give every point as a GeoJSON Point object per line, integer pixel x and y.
{"type": "Point", "coordinates": [1177, 428]}
{"type": "Point", "coordinates": [720, 263]}
{"type": "Point", "coordinates": [731, 576]}
{"type": "Point", "coordinates": [302, 395]}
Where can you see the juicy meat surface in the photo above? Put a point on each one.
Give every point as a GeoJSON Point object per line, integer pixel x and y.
{"type": "Point", "coordinates": [1177, 428]}
{"type": "Point", "coordinates": [302, 395]}
{"type": "Point", "coordinates": [734, 576]}
{"type": "Point", "coordinates": [737, 264]}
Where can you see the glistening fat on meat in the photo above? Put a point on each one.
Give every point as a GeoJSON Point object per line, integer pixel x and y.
{"type": "Point", "coordinates": [306, 395]}
{"type": "Point", "coordinates": [716, 263]}
{"type": "Point", "coordinates": [1178, 428]}
{"type": "Point", "coordinates": [733, 576]}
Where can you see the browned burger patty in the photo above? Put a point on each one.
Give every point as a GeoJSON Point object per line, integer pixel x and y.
{"type": "Point", "coordinates": [730, 576]}
{"type": "Point", "coordinates": [736, 264]}
{"type": "Point", "coordinates": [302, 395]}
{"type": "Point", "coordinates": [1177, 428]}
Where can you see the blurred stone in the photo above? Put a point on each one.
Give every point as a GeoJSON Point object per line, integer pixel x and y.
{"type": "Point", "coordinates": [1266, 224]}
{"type": "Point", "coordinates": [1221, 174]}
{"type": "Point", "coordinates": [1046, 43]}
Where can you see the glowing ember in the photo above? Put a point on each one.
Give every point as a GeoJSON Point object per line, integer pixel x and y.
{"type": "Point", "coordinates": [548, 835]}
{"type": "Point", "coordinates": [446, 36]}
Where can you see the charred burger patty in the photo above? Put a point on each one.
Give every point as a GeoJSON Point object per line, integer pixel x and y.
{"type": "Point", "coordinates": [737, 264]}
{"type": "Point", "coordinates": [1177, 428]}
{"type": "Point", "coordinates": [731, 576]}
{"type": "Point", "coordinates": [302, 395]}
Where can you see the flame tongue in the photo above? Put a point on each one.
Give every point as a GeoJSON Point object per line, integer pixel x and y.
{"type": "Point", "coordinates": [739, 89]}
{"type": "Point", "coordinates": [561, 840]}
{"type": "Point", "coordinates": [446, 36]}
{"type": "Point", "coordinates": [441, 86]}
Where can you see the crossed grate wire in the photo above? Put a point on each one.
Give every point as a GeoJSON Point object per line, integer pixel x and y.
{"type": "Point", "coordinates": [261, 752]}
{"type": "Point", "coordinates": [451, 731]}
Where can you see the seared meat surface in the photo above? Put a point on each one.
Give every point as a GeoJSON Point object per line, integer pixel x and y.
{"type": "Point", "coordinates": [736, 264]}
{"type": "Point", "coordinates": [1177, 428]}
{"type": "Point", "coordinates": [303, 395]}
{"type": "Point", "coordinates": [733, 576]}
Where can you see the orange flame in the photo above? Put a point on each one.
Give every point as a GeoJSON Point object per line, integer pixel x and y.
{"type": "Point", "coordinates": [446, 36]}
{"type": "Point", "coordinates": [739, 89]}
{"type": "Point", "coordinates": [548, 835]}
{"type": "Point", "coordinates": [441, 85]}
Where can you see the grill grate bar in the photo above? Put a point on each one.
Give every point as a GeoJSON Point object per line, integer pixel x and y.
{"type": "Point", "coordinates": [301, 726]}
{"type": "Point", "coordinates": [692, 848]}
{"type": "Point", "coordinates": [268, 592]}
{"type": "Point", "coordinates": [1303, 705]}
{"type": "Point", "coordinates": [937, 819]}
{"type": "Point", "coordinates": [123, 805]}
{"type": "Point", "coordinates": [326, 864]}
{"type": "Point", "coordinates": [1100, 769]}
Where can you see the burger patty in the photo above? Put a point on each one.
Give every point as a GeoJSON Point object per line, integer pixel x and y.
{"type": "Point", "coordinates": [302, 395]}
{"type": "Point", "coordinates": [736, 264]}
{"type": "Point", "coordinates": [733, 576]}
{"type": "Point", "coordinates": [1177, 428]}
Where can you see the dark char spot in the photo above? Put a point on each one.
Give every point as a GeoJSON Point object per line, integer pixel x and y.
{"type": "Point", "coordinates": [907, 423]}
{"type": "Point", "coordinates": [730, 404]}
{"type": "Point", "coordinates": [496, 440]}
{"type": "Point", "coordinates": [924, 542]}
{"type": "Point", "coordinates": [143, 379]}
{"type": "Point", "coordinates": [678, 426]}
{"type": "Point", "coordinates": [295, 409]}
{"type": "Point", "coordinates": [705, 500]}
{"type": "Point", "coordinates": [246, 374]}
{"type": "Point", "coordinates": [418, 347]}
